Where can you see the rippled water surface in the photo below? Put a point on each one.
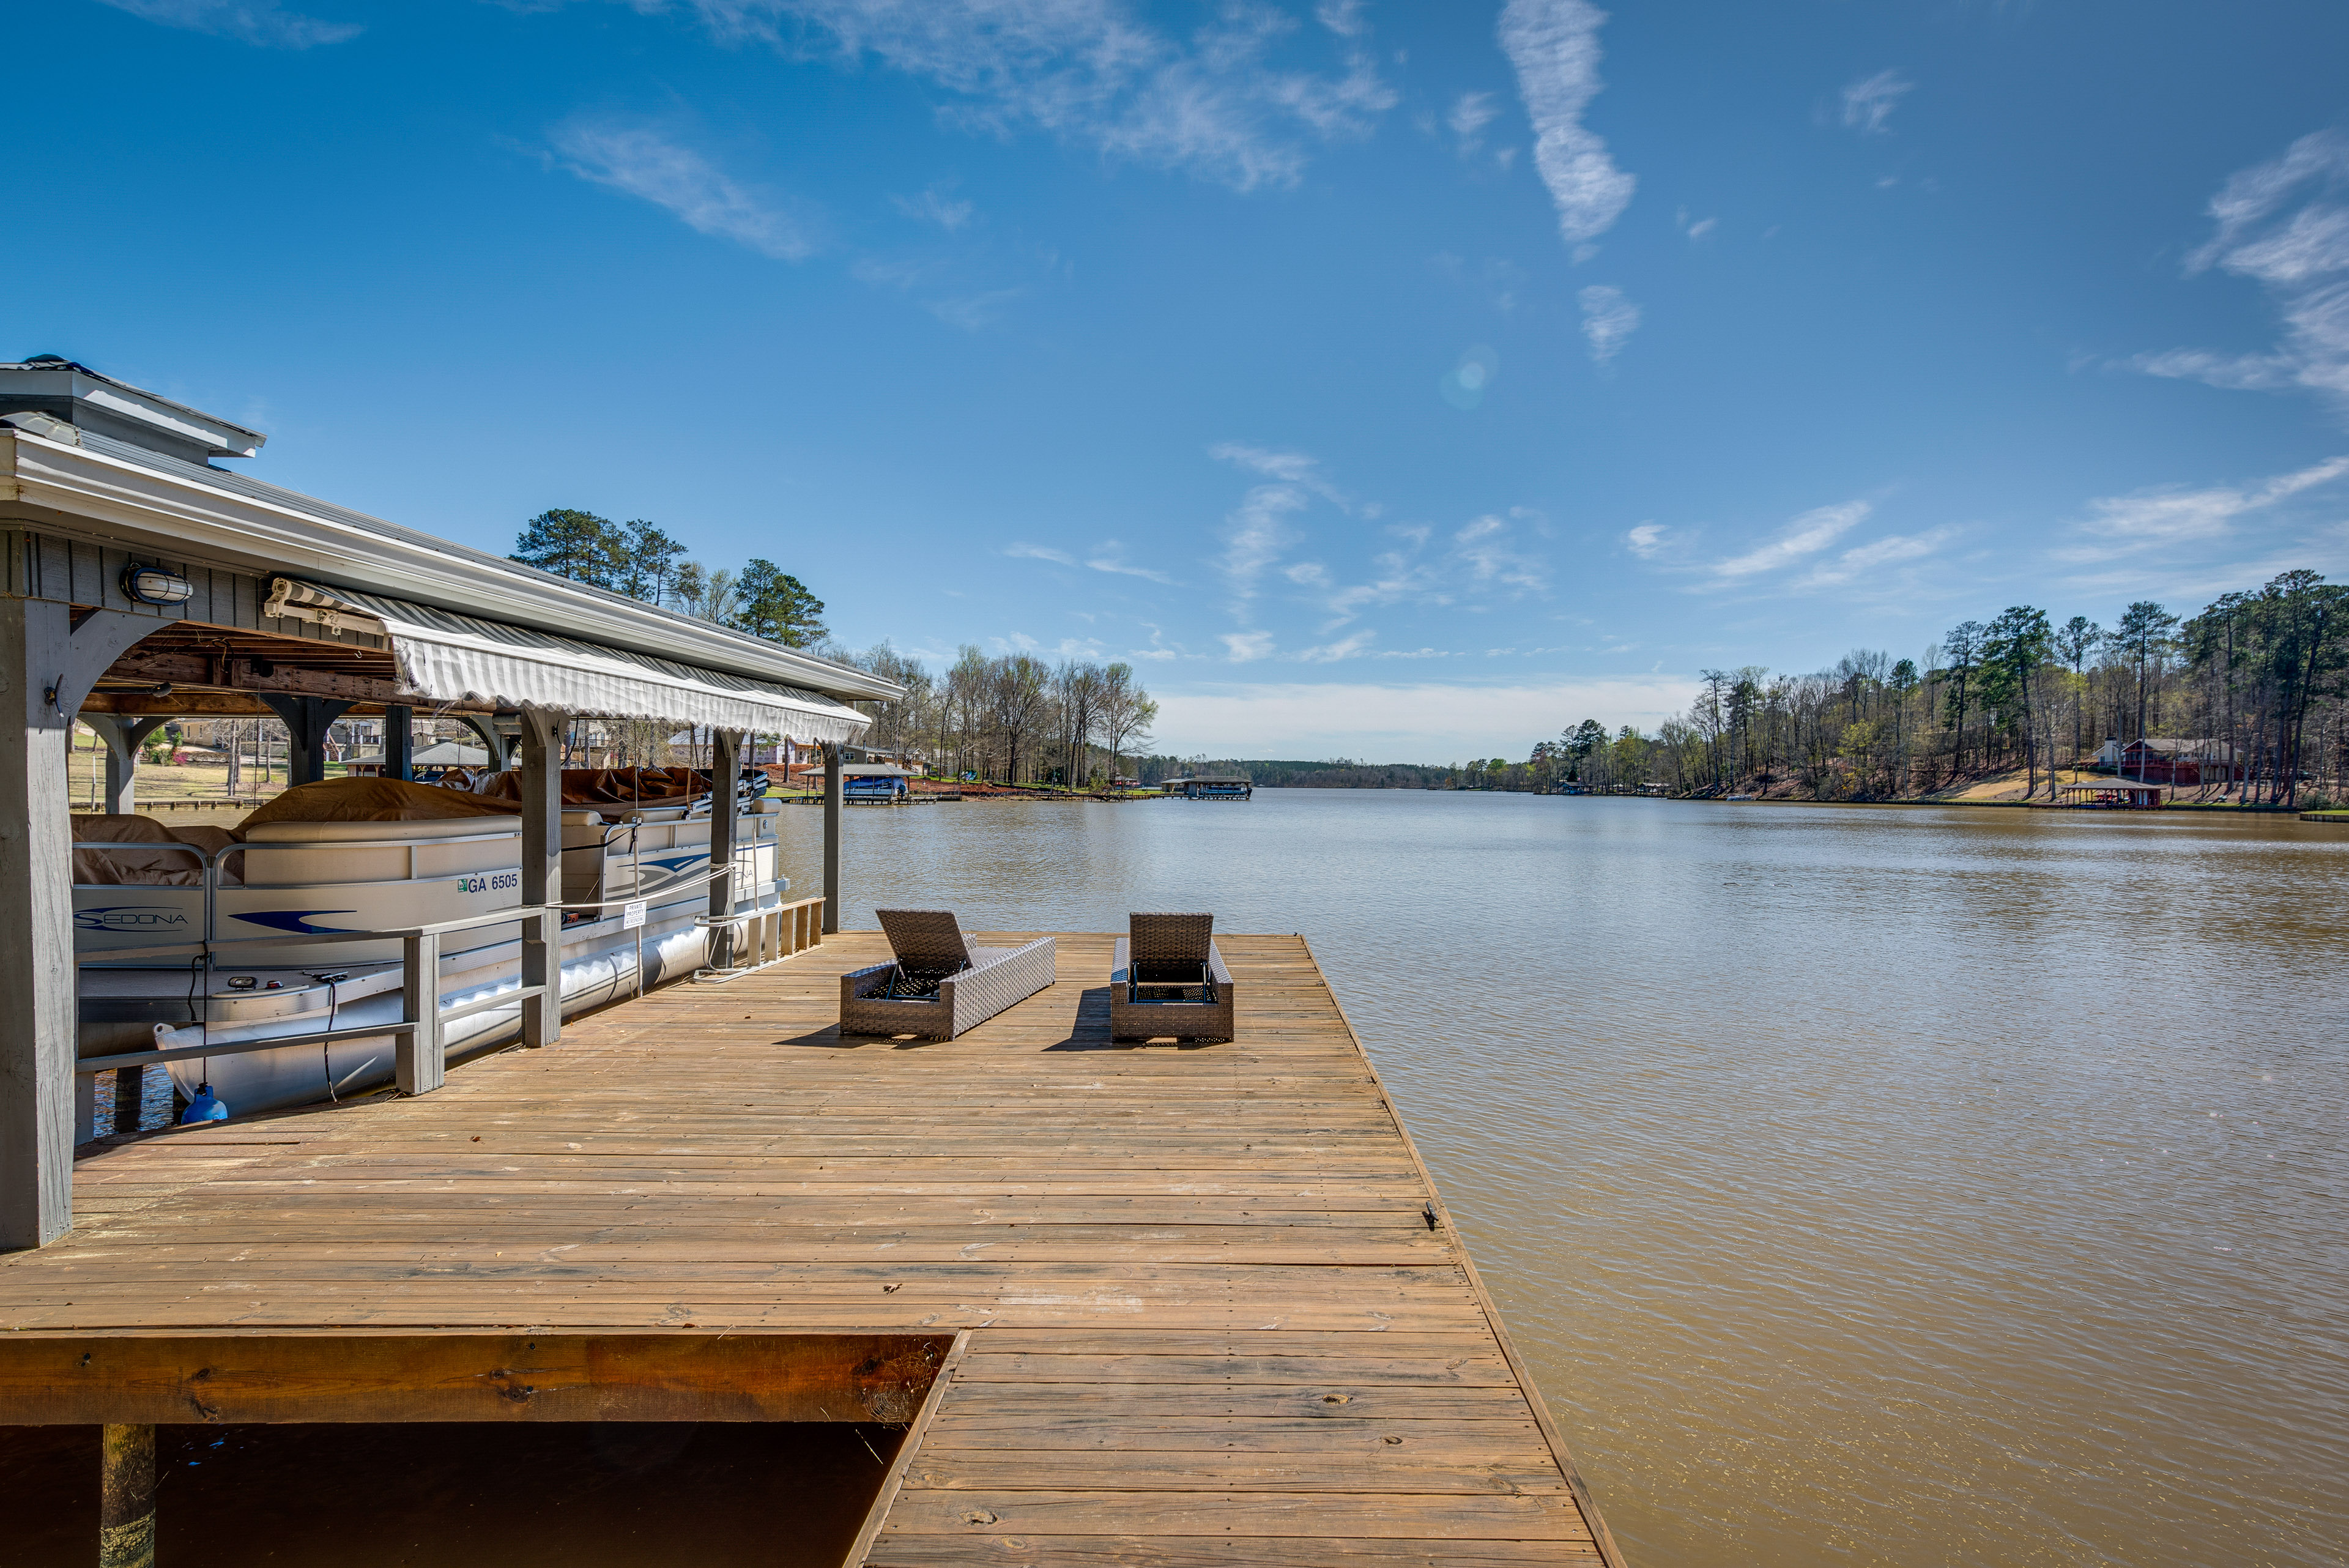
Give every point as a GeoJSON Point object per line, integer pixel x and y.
{"type": "Point", "coordinates": [1909, 1186]}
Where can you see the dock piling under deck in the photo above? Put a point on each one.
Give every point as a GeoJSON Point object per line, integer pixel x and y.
{"type": "Point", "coordinates": [1205, 1303]}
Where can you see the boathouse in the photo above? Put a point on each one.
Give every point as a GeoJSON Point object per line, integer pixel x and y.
{"type": "Point", "coordinates": [2187, 763]}
{"type": "Point", "coordinates": [1083, 1300]}
{"type": "Point", "coordinates": [1218, 786]}
{"type": "Point", "coordinates": [144, 580]}
{"type": "Point", "coordinates": [2113, 795]}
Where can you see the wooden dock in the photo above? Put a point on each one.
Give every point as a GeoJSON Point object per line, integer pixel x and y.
{"type": "Point", "coordinates": [1206, 1307]}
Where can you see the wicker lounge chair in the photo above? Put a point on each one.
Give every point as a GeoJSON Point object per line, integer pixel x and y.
{"type": "Point", "coordinates": [940, 984]}
{"type": "Point", "coordinates": [1169, 980]}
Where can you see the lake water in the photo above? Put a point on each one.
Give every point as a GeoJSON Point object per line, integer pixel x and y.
{"type": "Point", "coordinates": [1905, 1185]}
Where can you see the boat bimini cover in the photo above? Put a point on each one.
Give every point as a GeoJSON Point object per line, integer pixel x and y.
{"type": "Point", "coordinates": [444, 657]}
{"type": "Point", "coordinates": [375, 800]}
{"type": "Point", "coordinates": [133, 866]}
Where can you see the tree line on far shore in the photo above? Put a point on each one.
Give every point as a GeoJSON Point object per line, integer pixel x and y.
{"type": "Point", "coordinates": [1010, 718]}
{"type": "Point", "coordinates": [2265, 673]}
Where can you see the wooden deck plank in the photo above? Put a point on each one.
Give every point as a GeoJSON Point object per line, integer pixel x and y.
{"type": "Point", "coordinates": [1217, 1314]}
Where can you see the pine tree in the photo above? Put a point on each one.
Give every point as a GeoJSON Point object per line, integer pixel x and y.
{"type": "Point", "coordinates": [776, 606]}
{"type": "Point", "coordinates": [647, 561]}
{"type": "Point", "coordinates": [571, 543]}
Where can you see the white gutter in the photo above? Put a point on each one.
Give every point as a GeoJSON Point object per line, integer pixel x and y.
{"type": "Point", "coordinates": [151, 511]}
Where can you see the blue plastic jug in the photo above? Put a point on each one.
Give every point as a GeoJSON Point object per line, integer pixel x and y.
{"type": "Point", "coordinates": [204, 1108]}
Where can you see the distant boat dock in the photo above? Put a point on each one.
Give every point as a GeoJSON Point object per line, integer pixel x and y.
{"type": "Point", "coordinates": [1133, 1304]}
{"type": "Point", "coordinates": [1224, 786]}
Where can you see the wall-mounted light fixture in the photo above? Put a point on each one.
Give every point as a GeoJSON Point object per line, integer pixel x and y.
{"type": "Point", "coordinates": [156, 586]}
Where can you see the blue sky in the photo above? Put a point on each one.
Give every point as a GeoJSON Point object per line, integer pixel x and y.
{"type": "Point", "coordinates": [1400, 381]}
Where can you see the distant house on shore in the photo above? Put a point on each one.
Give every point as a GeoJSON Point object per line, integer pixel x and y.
{"type": "Point", "coordinates": [2189, 763]}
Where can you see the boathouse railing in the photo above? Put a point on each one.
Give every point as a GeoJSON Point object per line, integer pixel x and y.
{"type": "Point", "coordinates": [420, 1045]}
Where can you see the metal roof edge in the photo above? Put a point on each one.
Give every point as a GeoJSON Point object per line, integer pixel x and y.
{"type": "Point", "coordinates": [353, 549]}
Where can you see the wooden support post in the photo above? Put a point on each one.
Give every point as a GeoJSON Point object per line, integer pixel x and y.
{"type": "Point", "coordinates": [831, 837]}
{"type": "Point", "coordinates": [126, 1519]}
{"type": "Point", "coordinates": [123, 736]}
{"type": "Point", "coordinates": [421, 1060]}
{"type": "Point", "coordinates": [50, 655]}
{"type": "Point", "coordinates": [725, 778]}
{"type": "Point", "coordinates": [542, 873]}
{"type": "Point", "coordinates": [307, 720]}
{"type": "Point", "coordinates": [130, 1097]}
{"type": "Point", "coordinates": [399, 741]}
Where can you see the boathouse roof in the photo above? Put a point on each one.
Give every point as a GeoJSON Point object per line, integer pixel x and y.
{"type": "Point", "coordinates": [85, 457]}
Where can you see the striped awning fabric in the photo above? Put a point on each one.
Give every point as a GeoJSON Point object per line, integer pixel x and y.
{"type": "Point", "coordinates": [444, 657]}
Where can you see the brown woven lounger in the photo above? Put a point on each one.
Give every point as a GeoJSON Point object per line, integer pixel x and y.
{"type": "Point", "coordinates": [940, 984]}
{"type": "Point", "coordinates": [1167, 979]}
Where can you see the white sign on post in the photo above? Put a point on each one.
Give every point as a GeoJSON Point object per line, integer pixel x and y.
{"type": "Point", "coordinates": [632, 915]}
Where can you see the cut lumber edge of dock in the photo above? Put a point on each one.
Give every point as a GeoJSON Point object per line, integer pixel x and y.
{"type": "Point", "coordinates": [894, 1482]}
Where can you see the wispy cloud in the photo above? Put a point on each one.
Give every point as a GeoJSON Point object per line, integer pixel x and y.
{"type": "Point", "coordinates": [1869, 103]}
{"type": "Point", "coordinates": [1352, 646]}
{"type": "Point", "coordinates": [1214, 104]}
{"type": "Point", "coordinates": [974, 312]}
{"type": "Point", "coordinates": [1867, 560]}
{"type": "Point", "coordinates": [933, 206]}
{"type": "Point", "coordinates": [1343, 18]}
{"type": "Point", "coordinates": [2280, 224]}
{"type": "Point", "coordinates": [646, 162]}
{"type": "Point", "coordinates": [2167, 516]}
{"type": "Point", "coordinates": [1697, 230]}
{"type": "Point", "coordinates": [1608, 320]}
{"type": "Point", "coordinates": [1468, 118]}
{"type": "Point", "coordinates": [1806, 535]}
{"type": "Point", "coordinates": [1041, 552]}
{"type": "Point", "coordinates": [1553, 45]}
{"type": "Point", "coordinates": [1247, 647]}
{"type": "Point", "coordinates": [260, 22]}
{"type": "Point", "coordinates": [1646, 541]}
{"type": "Point", "coordinates": [1109, 555]}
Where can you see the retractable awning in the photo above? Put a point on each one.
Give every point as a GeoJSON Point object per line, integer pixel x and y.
{"type": "Point", "coordinates": [444, 657]}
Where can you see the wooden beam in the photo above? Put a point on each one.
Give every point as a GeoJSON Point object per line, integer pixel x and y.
{"type": "Point", "coordinates": [251, 675]}
{"type": "Point", "coordinates": [67, 1379]}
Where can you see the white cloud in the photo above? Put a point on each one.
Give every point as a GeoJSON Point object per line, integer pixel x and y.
{"type": "Point", "coordinates": [2300, 256]}
{"type": "Point", "coordinates": [260, 22]}
{"type": "Point", "coordinates": [1646, 541]}
{"type": "Point", "coordinates": [1345, 647]}
{"type": "Point", "coordinates": [974, 312]}
{"type": "Point", "coordinates": [1212, 104]}
{"type": "Point", "coordinates": [1343, 18]}
{"type": "Point", "coordinates": [1891, 550]}
{"type": "Point", "coordinates": [2172, 515]}
{"type": "Point", "coordinates": [1414, 723]}
{"type": "Point", "coordinates": [1110, 556]}
{"type": "Point", "coordinates": [1257, 532]}
{"type": "Point", "coordinates": [933, 207]}
{"type": "Point", "coordinates": [1041, 553]}
{"type": "Point", "coordinates": [1553, 45]}
{"type": "Point", "coordinates": [1289, 467]}
{"type": "Point", "coordinates": [1245, 647]}
{"type": "Point", "coordinates": [1869, 103]}
{"type": "Point", "coordinates": [647, 162]}
{"type": "Point", "coordinates": [1806, 535]}
{"type": "Point", "coordinates": [1608, 320]}
{"type": "Point", "coordinates": [1702, 228]}
{"type": "Point", "coordinates": [1468, 118]}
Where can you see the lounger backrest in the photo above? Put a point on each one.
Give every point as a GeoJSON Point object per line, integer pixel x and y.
{"type": "Point", "coordinates": [926, 939]}
{"type": "Point", "coordinates": [1169, 941]}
